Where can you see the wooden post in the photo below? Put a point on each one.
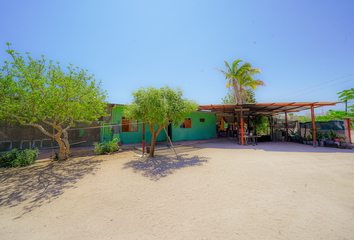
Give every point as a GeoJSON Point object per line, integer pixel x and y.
{"type": "Point", "coordinates": [169, 139]}
{"type": "Point", "coordinates": [349, 132]}
{"type": "Point", "coordinates": [347, 119]}
{"type": "Point", "coordinates": [272, 128]}
{"type": "Point", "coordinates": [313, 126]}
{"type": "Point", "coordinates": [143, 138]}
{"type": "Point", "coordinates": [241, 126]}
{"type": "Point", "coordinates": [286, 125]}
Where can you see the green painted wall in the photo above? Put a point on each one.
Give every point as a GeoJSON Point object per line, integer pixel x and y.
{"type": "Point", "coordinates": [199, 130]}
{"type": "Point", "coordinates": [129, 137]}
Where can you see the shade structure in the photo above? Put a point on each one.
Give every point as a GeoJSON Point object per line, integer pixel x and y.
{"type": "Point", "coordinates": [264, 109]}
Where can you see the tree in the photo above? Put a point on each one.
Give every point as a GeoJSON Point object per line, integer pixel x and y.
{"type": "Point", "coordinates": [241, 78]}
{"type": "Point", "coordinates": [158, 108]}
{"type": "Point", "coordinates": [260, 124]}
{"type": "Point", "coordinates": [229, 98]}
{"type": "Point", "coordinates": [347, 95]}
{"type": "Point", "coordinates": [36, 94]}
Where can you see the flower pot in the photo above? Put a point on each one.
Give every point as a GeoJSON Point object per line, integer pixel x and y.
{"type": "Point", "coordinates": [120, 144]}
{"type": "Point", "coordinates": [336, 140]}
{"type": "Point", "coordinates": [311, 142]}
{"type": "Point", "coordinates": [308, 142]}
{"type": "Point", "coordinates": [322, 143]}
{"type": "Point", "coordinates": [305, 142]}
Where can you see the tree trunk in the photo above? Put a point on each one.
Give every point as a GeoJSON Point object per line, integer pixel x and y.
{"type": "Point", "coordinates": [237, 96]}
{"type": "Point", "coordinates": [152, 147]}
{"type": "Point", "coordinates": [63, 153]}
{"type": "Point", "coordinates": [63, 143]}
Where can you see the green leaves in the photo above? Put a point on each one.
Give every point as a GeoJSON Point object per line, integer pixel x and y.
{"type": "Point", "coordinates": [347, 95]}
{"type": "Point", "coordinates": [159, 106]}
{"type": "Point", "coordinates": [240, 78]}
{"type": "Point", "coordinates": [32, 91]}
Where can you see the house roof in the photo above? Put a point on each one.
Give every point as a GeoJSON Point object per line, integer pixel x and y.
{"type": "Point", "coordinates": [263, 109]}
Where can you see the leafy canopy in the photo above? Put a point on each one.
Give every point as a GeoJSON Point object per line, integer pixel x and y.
{"type": "Point", "coordinates": [34, 90]}
{"type": "Point", "coordinates": [347, 95]}
{"type": "Point", "coordinates": [36, 93]}
{"type": "Point", "coordinates": [159, 106]}
{"type": "Point", "coordinates": [241, 78]}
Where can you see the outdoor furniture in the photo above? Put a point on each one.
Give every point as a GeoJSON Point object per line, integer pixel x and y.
{"type": "Point", "coordinates": [249, 139]}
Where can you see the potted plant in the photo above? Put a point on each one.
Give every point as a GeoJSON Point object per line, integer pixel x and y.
{"type": "Point", "coordinates": [308, 138]}
{"type": "Point", "coordinates": [320, 138]}
{"type": "Point", "coordinates": [329, 139]}
{"type": "Point", "coordinates": [335, 136]}
{"type": "Point", "coordinates": [292, 136]}
{"type": "Point", "coordinates": [304, 140]}
{"type": "Point", "coordinates": [298, 137]}
{"type": "Point", "coordinates": [343, 144]}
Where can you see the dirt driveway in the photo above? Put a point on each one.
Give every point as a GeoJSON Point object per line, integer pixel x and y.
{"type": "Point", "coordinates": [212, 191]}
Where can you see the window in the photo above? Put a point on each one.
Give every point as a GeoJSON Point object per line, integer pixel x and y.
{"type": "Point", "coordinates": [186, 124]}
{"type": "Point", "coordinates": [202, 120]}
{"type": "Point", "coordinates": [129, 125]}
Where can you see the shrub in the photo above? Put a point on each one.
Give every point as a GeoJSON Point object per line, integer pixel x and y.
{"type": "Point", "coordinates": [18, 158]}
{"type": "Point", "coordinates": [107, 147]}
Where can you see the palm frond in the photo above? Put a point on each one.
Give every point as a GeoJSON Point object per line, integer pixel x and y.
{"type": "Point", "coordinates": [260, 83]}
{"type": "Point", "coordinates": [235, 63]}
{"type": "Point", "coordinates": [255, 71]}
{"type": "Point", "coordinates": [227, 66]}
{"type": "Point", "coordinates": [223, 72]}
{"type": "Point", "coordinates": [243, 69]}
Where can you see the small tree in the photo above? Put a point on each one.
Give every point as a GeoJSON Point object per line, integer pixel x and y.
{"type": "Point", "coordinates": [345, 96]}
{"type": "Point", "coordinates": [36, 94]}
{"type": "Point", "coordinates": [158, 108]}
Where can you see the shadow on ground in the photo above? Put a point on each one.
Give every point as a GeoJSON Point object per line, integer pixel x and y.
{"type": "Point", "coordinates": [42, 183]}
{"type": "Point", "coordinates": [162, 166]}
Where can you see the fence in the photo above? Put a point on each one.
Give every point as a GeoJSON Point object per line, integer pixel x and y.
{"type": "Point", "coordinates": [25, 137]}
{"type": "Point", "coordinates": [279, 128]}
{"type": "Point", "coordinates": [336, 125]}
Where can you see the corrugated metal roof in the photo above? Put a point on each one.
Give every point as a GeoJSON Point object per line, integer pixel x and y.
{"type": "Point", "coordinates": [264, 109]}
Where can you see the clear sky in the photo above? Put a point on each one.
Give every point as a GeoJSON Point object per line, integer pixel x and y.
{"type": "Point", "coordinates": [129, 44]}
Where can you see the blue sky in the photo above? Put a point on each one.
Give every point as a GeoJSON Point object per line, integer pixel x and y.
{"type": "Point", "coordinates": [130, 44]}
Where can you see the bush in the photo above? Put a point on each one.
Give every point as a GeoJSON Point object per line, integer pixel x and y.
{"type": "Point", "coordinates": [18, 158]}
{"type": "Point", "coordinates": [107, 147]}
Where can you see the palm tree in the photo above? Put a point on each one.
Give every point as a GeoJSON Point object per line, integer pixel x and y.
{"type": "Point", "coordinates": [241, 78]}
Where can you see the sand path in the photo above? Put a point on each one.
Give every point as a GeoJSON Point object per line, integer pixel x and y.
{"type": "Point", "coordinates": [212, 192]}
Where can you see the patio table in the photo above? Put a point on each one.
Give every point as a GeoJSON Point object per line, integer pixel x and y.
{"type": "Point", "coordinates": [247, 138]}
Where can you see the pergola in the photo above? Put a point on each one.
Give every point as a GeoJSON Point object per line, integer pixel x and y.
{"type": "Point", "coordinates": [268, 109]}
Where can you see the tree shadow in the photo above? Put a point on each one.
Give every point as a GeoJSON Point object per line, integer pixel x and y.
{"type": "Point", "coordinates": [42, 183]}
{"type": "Point", "coordinates": [164, 165]}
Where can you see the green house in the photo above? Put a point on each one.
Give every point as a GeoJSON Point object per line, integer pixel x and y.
{"type": "Point", "coordinates": [197, 125]}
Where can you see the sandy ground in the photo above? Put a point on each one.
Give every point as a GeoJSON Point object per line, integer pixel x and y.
{"type": "Point", "coordinates": [212, 191]}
